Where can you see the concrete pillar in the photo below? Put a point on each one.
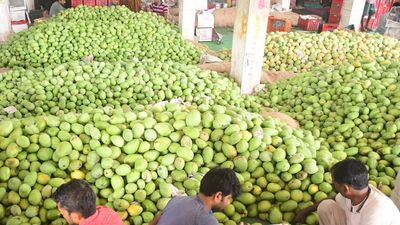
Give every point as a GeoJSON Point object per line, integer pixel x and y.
{"type": "Point", "coordinates": [352, 13]}
{"type": "Point", "coordinates": [30, 4]}
{"type": "Point", "coordinates": [285, 4]}
{"type": "Point", "coordinates": [187, 17]}
{"type": "Point", "coordinates": [5, 24]}
{"type": "Point", "coordinates": [249, 42]}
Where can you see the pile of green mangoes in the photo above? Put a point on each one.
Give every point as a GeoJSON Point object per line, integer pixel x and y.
{"type": "Point", "coordinates": [72, 86]}
{"type": "Point", "coordinates": [106, 33]}
{"type": "Point", "coordinates": [132, 157]}
{"type": "Point", "coordinates": [225, 54]}
{"type": "Point", "coordinates": [300, 51]}
{"type": "Point", "coordinates": [135, 123]}
{"type": "Point", "coordinates": [353, 108]}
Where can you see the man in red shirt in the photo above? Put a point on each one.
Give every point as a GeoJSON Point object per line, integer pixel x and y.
{"type": "Point", "coordinates": [158, 7]}
{"type": "Point", "coordinates": [76, 201]}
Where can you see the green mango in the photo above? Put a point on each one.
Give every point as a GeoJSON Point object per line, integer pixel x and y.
{"type": "Point", "coordinates": [162, 203]}
{"type": "Point", "coordinates": [48, 168]}
{"type": "Point", "coordinates": [288, 206]}
{"type": "Point", "coordinates": [221, 121]}
{"type": "Point", "coordinates": [5, 173]}
{"type": "Point", "coordinates": [64, 149]}
{"type": "Point", "coordinates": [32, 211]}
{"type": "Point", "coordinates": [282, 195]}
{"type": "Point", "coordinates": [131, 147]}
{"type": "Point", "coordinates": [208, 155]}
{"type": "Point", "coordinates": [273, 187]}
{"type": "Point", "coordinates": [117, 182]}
{"type": "Point", "coordinates": [162, 144]}
{"type": "Point", "coordinates": [56, 182]}
{"type": "Point", "coordinates": [193, 118]}
{"type": "Point", "coordinates": [23, 141]}
{"type": "Point", "coordinates": [103, 151]}
{"type": "Point", "coordinates": [275, 215]}
{"type": "Point", "coordinates": [191, 184]}
{"type": "Point", "coordinates": [278, 155]}
{"type": "Point", "coordinates": [140, 165]}
{"type": "Point", "coordinates": [247, 198]}
{"type": "Point", "coordinates": [35, 197]}
{"type": "Point", "coordinates": [191, 132]}
{"type": "Point", "coordinates": [165, 190]}
{"type": "Point", "coordinates": [240, 163]}
{"type": "Point", "coordinates": [263, 206]}
{"type": "Point", "coordinates": [179, 175]}
{"type": "Point", "coordinates": [185, 153]}
{"type": "Point", "coordinates": [121, 204]}
{"type": "Point", "coordinates": [140, 195]}
{"type": "Point", "coordinates": [6, 127]}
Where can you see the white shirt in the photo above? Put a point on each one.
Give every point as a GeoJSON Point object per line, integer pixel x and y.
{"type": "Point", "coordinates": [378, 209]}
{"type": "Point", "coordinates": [396, 192]}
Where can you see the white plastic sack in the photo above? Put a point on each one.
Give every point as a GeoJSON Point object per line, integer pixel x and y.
{"type": "Point", "coordinates": [88, 58]}
{"type": "Point", "coordinates": [207, 58]}
{"type": "Point", "coordinates": [176, 191]}
{"type": "Point", "coordinates": [10, 109]}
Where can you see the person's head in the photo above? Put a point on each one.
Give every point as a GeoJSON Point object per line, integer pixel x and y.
{"type": "Point", "coordinates": [157, 2]}
{"type": "Point", "coordinates": [349, 176]}
{"type": "Point", "coordinates": [62, 2]}
{"type": "Point", "coordinates": [76, 201]}
{"type": "Point", "coordinates": [221, 185]}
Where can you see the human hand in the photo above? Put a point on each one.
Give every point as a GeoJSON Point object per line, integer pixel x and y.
{"type": "Point", "coordinates": [379, 186]}
{"type": "Point", "coordinates": [301, 216]}
{"type": "Point", "coordinates": [242, 223]}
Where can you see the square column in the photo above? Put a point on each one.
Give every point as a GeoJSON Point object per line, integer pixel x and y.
{"type": "Point", "coordinates": [249, 42]}
{"type": "Point", "coordinates": [352, 13]}
{"type": "Point", "coordinates": [187, 17]}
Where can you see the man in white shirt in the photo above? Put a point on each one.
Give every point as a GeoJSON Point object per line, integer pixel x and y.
{"type": "Point", "coordinates": [357, 202]}
{"type": "Point", "coordinates": [396, 191]}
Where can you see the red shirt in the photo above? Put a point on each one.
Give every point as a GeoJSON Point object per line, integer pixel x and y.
{"type": "Point", "coordinates": [159, 9]}
{"type": "Point", "coordinates": [103, 216]}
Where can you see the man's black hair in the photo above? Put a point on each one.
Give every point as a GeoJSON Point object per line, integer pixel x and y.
{"type": "Point", "coordinates": [396, 4]}
{"type": "Point", "coordinates": [220, 180]}
{"type": "Point", "coordinates": [76, 196]}
{"type": "Point", "coordinates": [351, 172]}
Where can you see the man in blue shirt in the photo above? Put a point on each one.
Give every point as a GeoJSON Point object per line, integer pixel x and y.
{"type": "Point", "coordinates": [382, 21]}
{"type": "Point", "coordinates": [217, 189]}
{"type": "Point", "coordinates": [57, 7]}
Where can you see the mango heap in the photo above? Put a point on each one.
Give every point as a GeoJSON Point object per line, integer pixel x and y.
{"type": "Point", "coordinates": [132, 158]}
{"type": "Point", "coordinates": [107, 33]}
{"type": "Point", "coordinates": [354, 109]}
{"type": "Point", "coordinates": [113, 123]}
{"type": "Point", "coordinates": [301, 52]}
{"type": "Point", "coordinates": [75, 85]}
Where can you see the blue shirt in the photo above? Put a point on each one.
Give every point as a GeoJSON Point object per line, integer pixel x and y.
{"type": "Point", "coordinates": [55, 8]}
{"type": "Point", "coordinates": [183, 210]}
{"type": "Point", "coordinates": [382, 24]}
